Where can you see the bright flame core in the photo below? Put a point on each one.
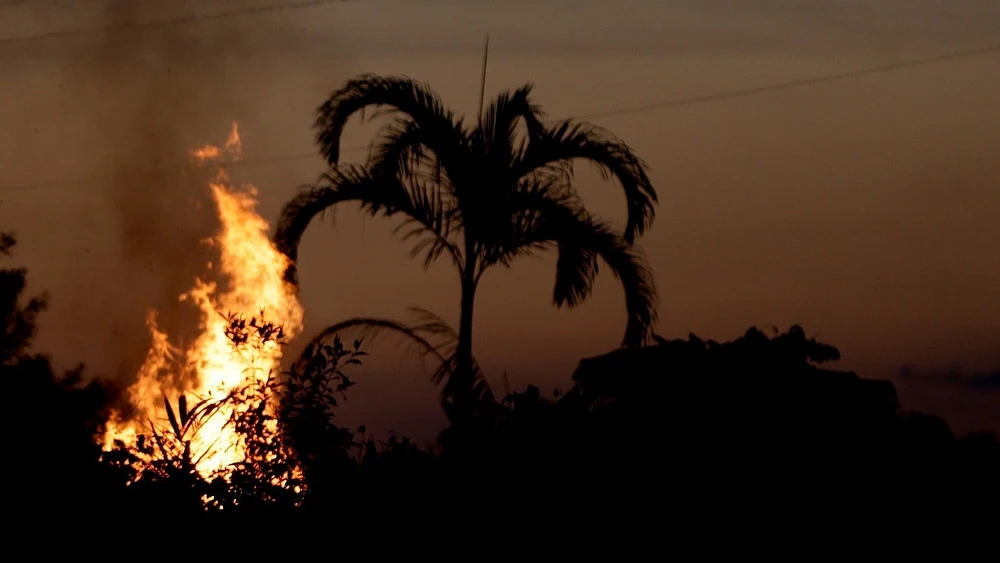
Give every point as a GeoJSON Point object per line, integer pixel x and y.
{"type": "Point", "coordinates": [210, 366]}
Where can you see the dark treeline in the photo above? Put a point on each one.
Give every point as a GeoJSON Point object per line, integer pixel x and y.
{"type": "Point", "coordinates": [669, 434]}
{"type": "Point", "coordinates": [691, 426]}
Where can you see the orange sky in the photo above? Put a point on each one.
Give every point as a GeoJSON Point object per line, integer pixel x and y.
{"type": "Point", "coordinates": [864, 210]}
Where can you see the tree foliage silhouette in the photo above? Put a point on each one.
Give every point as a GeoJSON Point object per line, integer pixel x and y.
{"type": "Point", "coordinates": [481, 195]}
{"type": "Point", "coordinates": [699, 425]}
{"type": "Point", "coordinates": [51, 419]}
{"type": "Point", "coordinates": [283, 425]}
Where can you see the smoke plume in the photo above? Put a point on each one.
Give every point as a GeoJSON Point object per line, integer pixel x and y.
{"type": "Point", "coordinates": [129, 104]}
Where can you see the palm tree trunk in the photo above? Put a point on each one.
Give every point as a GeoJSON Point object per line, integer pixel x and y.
{"type": "Point", "coordinates": [459, 390]}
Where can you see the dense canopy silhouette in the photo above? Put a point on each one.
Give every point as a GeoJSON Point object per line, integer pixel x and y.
{"type": "Point", "coordinates": [699, 426]}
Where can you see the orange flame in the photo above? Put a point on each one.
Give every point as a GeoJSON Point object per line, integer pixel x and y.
{"type": "Point", "coordinates": [210, 367]}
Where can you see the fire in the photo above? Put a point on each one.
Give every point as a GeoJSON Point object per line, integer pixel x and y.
{"type": "Point", "coordinates": [251, 270]}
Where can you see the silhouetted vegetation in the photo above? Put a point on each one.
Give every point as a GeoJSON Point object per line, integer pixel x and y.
{"type": "Point", "coordinates": [482, 195]}
{"type": "Point", "coordinates": [697, 428]}
{"type": "Point", "coordinates": [695, 425]}
{"type": "Point", "coordinates": [51, 419]}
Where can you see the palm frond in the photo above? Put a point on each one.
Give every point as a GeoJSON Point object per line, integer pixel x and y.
{"type": "Point", "coordinates": [418, 101]}
{"type": "Point", "coordinates": [420, 334]}
{"type": "Point", "coordinates": [377, 195]}
{"type": "Point", "coordinates": [397, 150]}
{"type": "Point", "coordinates": [432, 220]}
{"type": "Point", "coordinates": [497, 130]}
{"type": "Point", "coordinates": [583, 242]}
{"type": "Point", "coordinates": [171, 418]}
{"type": "Point", "coordinates": [430, 323]}
{"type": "Point", "coordinates": [517, 226]}
{"type": "Point", "coordinates": [557, 146]}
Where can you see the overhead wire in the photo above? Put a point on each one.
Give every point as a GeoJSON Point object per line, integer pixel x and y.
{"type": "Point", "coordinates": [615, 112]}
{"type": "Point", "coordinates": [169, 22]}
{"type": "Point", "coordinates": [793, 83]}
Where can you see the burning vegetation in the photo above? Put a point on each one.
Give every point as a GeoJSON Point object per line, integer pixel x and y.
{"type": "Point", "coordinates": [190, 401]}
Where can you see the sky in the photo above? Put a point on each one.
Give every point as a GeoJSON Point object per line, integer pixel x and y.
{"type": "Point", "coordinates": [862, 209]}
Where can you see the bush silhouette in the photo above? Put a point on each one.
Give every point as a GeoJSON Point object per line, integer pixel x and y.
{"type": "Point", "coordinates": [51, 454]}
{"type": "Point", "coordinates": [702, 427]}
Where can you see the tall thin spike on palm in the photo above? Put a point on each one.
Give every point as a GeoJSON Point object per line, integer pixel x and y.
{"type": "Point", "coordinates": [482, 195]}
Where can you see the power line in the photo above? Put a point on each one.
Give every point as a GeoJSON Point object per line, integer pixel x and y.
{"type": "Point", "coordinates": [171, 22]}
{"type": "Point", "coordinates": [628, 110]}
{"type": "Point", "coordinates": [235, 164]}
{"type": "Point", "coordinates": [104, 177]}
{"type": "Point", "coordinates": [793, 83]}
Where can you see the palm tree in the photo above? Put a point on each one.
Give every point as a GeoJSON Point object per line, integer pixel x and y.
{"type": "Point", "coordinates": [482, 195]}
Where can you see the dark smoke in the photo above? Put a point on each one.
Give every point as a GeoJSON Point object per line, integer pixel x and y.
{"type": "Point", "coordinates": [146, 96]}
{"type": "Point", "coordinates": [161, 211]}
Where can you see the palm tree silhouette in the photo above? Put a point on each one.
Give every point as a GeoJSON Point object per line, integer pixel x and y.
{"type": "Point", "coordinates": [481, 196]}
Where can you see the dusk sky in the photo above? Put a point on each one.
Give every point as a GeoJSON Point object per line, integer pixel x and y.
{"type": "Point", "coordinates": [863, 209]}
